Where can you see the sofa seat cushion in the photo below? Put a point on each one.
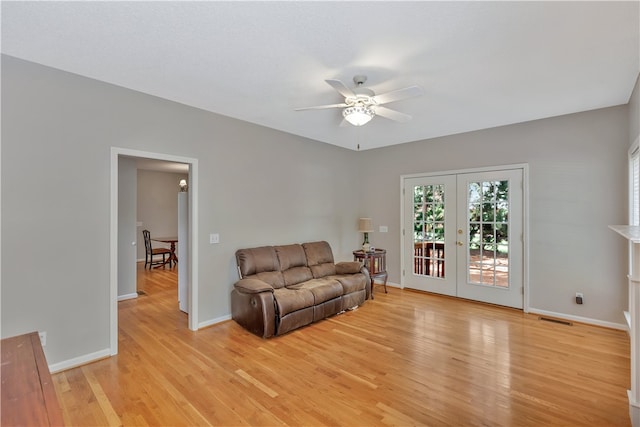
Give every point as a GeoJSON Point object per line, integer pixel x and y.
{"type": "Point", "coordinates": [290, 300]}
{"type": "Point", "coordinates": [352, 282]}
{"type": "Point", "coordinates": [322, 289]}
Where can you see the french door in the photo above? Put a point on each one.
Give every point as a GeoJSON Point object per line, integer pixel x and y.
{"type": "Point", "coordinates": [463, 235]}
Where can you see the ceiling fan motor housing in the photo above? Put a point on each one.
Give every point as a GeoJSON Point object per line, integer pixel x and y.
{"type": "Point", "coordinates": [359, 79]}
{"type": "Point", "coordinates": [361, 98]}
{"type": "Point", "coordinates": [363, 94]}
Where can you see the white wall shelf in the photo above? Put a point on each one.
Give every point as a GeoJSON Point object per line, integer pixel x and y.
{"type": "Point", "coordinates": [632, 234]}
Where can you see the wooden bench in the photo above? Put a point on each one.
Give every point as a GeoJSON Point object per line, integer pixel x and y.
{"type": "Point", "coordinates": [28, 395]}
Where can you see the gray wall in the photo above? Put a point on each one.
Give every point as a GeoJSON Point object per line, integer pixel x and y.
{"type": "Point", "coordinates": [578, 181]}
{"type": "Point", "coordinates": [256, 185]}
{"type": "Point", "coordinates": [259, 186]}
{"type": "Point", "coordinates": [127, 200]}
{"type": "Point", "coordinates": [157, 205]}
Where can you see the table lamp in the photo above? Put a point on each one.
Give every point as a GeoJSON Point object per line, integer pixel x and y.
{"type": "Point", "coordinates": [365, 225]}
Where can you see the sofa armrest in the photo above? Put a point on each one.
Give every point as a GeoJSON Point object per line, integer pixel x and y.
{"type": "Point", "coordinates": [349, 267]}
{"type": "Point", "coordinates": [252, 286]}
{"type": "Point", "coordinates": [256, 312]}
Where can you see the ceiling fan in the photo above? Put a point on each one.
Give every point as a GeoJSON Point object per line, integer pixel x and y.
{"type": "Point", "coordinates": [361, 104]}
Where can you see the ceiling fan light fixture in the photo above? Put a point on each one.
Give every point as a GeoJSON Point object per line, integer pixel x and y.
{"type": "Point", "coordinates": [358, 115]}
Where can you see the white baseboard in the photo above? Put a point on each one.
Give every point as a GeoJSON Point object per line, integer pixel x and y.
{"type": "Point", "coordinates": [634, 409]}
{"type": "Point", "coordinates": [92, 357]}
{"type": "Point", "coordinates": [80, 360]}
{"type": "Point", "coordinates": [580, 319]}
{"type": "Point", "coordinates": [395, 285]}
{"type": "Point", "coordinates": [128, 296]}
{"type": "Point", "coordinates": [214, 321]}
{"type": "Point", "coordinates": [586, 320]}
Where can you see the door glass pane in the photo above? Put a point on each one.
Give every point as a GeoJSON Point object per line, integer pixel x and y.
{"type": "Point", "coordinates": [428, 230]}
{"type": "Point", "coordinates": [488, 224]}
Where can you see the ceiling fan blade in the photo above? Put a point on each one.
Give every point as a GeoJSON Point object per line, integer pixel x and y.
{"type": "Point", "coordinates": [322, 107]}
{"type": "Point", "coordinates": [388, 113]}
{"type": "Point", "coordinates": [397, 95]}
{"type": "Point", "coordinates": [341, 88]}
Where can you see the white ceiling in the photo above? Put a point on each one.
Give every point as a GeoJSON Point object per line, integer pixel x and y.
{"type": "Point", "coordinates": [481, 64]}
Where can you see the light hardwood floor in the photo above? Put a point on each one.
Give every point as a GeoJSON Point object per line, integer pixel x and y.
{"type": "Point", "coordinates": [405, 358]}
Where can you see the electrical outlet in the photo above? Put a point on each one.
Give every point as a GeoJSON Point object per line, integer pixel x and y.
{"type": "Point", "coordinates": [579, 298]}
{"type": "Point", "coordinates": [43, 338]}
{"type": "Point", "coordinates": [383, 229]}
{"type": "Point", "coordinates": [214, 238]}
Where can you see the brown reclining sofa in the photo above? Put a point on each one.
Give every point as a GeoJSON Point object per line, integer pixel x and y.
{"type": "Point", "coordinates": [282, 288]}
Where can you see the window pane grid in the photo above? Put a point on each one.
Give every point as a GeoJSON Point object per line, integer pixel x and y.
{"type": "Point", "coordinates": [488, 222]}
{"type": "Point", "coordinates": [428, 230]}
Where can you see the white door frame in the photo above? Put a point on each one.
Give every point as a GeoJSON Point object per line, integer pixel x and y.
{"type": "Point", "coordinates": [113, 238]}
{"type": "Point", "coordinates": [525, 218]}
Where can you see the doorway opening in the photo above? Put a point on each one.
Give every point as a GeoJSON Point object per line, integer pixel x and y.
{"type": "Point", "coordinates": [161, 205]}
{"type": "Point", "coordinates": [189, 268]}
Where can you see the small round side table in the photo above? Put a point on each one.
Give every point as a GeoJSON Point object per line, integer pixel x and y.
{"type": "Point", "coordinates": [376, 263]}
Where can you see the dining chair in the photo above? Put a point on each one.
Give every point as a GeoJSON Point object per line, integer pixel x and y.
{"type": "Point", "coordinates": [150, 252]}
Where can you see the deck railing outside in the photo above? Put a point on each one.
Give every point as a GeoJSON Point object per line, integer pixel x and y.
{"type": "Point", "coordinates": [429, 260]}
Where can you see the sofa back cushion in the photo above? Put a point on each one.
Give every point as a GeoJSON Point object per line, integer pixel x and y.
{"type": "Point", "coordinates": [274, 278]}
{"type": "Point", "coordinates": [290, 256]}
{"type": "Point", "coordinates": [260, 263]}
{"type": "Point", "coordinates": [319, 259]}
{"type": "Point", "coordinates": [296, 275]}
{"type": "Point", "coordinates": [293, 264]}
{"type": "Point", "coordinates": [257, 260]}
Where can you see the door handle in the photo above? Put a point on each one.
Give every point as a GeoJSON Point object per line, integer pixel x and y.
{"type": "Point", "coordinates": [460, 243]}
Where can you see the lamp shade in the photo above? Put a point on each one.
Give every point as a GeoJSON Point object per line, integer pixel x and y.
{"type": "Point", "coordinates": [365, 225]}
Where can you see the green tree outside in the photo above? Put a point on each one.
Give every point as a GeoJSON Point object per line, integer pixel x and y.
{"type": "Point", "coordinates": [488, 215]}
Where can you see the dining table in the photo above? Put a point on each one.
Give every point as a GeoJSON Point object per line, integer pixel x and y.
{"type": "Point", "coordinates": [172, 241]}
